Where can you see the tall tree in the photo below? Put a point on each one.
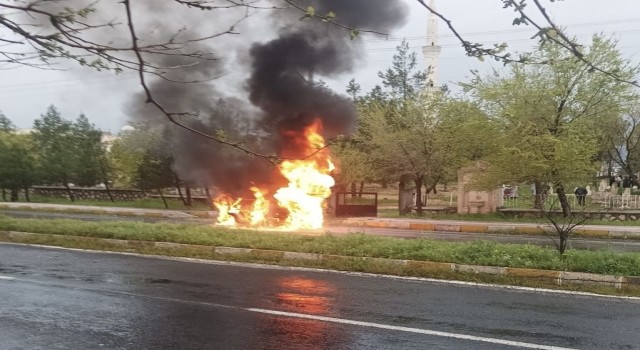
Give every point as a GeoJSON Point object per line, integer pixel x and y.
{"type": "Point", "coordinates": [57, 152]}
{"type": "Point", "coordinates": [404, 78]}
{"type": "Point", "coordinates": [88, 152]}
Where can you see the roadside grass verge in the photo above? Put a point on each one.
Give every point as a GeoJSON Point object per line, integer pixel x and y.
{"type": "Point", "coordinates": [478, 252]}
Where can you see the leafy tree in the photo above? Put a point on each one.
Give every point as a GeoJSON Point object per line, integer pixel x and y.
{"type": "Point", "coordinates": [624, 143]}
{"type": "Point", "coordinates": [410, 141]}
{"type": "Point", "coordinates": [17, 164]}
{"type": "Point", "coordinates": [353, 90]}
{"type": "Point", "coordinates": [128, 150]}
{"type": "Point", "coordinates": [140, 155]}
{"type": "Point", "coordinates": [352, 153]}
{"type": "Point", "coordinates": [5, 124]}
{"type": "Point", "coordinates": [466, 134]}
{"type": "Point", "coordinates": [88, 152]}
{"type": "Point", "coordinates": [552, 117]}
{"type": "Point", "coordinates": [154, 173]}
{"type": "Point", "coordinates": [403, 78]}
{"type": "Point", "coordinates": [56, 146]}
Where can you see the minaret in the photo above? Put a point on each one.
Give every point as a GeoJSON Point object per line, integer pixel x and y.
{"type": "Point", "coordinates": [432, 51]}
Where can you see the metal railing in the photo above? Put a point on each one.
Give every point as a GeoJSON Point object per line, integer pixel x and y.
{"type": "Point", "coordinates": [620, 201]}
{"type": "Point", "coordinates": [593, 201]}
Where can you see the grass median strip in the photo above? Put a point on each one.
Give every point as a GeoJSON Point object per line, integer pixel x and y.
{"type": "Point", "coordinates": [354, 245]}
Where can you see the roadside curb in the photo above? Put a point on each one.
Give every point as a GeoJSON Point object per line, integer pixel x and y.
{"type": "Point", "coordinates": [411, 267]}
{"type": "Point", "coordinates": [491, 228]}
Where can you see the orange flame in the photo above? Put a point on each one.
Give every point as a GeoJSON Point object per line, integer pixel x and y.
{"type": "Point", "coordinates": [227, 207]}
{"type": "Point", "coordinates": [309, 185]}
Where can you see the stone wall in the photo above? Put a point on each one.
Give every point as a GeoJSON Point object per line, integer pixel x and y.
{"type": "Point", "coordinates": [87, 193]}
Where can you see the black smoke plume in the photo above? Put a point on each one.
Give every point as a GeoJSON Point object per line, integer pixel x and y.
{"type": "Point", "coordinates": [282, 93]}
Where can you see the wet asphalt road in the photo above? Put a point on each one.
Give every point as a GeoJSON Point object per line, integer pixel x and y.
{"type": "Point", "coordinates": [62, 299]}
{"type": "Point", "coordinates": [620, 245]}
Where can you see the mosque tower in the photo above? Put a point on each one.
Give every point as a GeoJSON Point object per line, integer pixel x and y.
{"type": "Point", "coordinates": [431, 51]}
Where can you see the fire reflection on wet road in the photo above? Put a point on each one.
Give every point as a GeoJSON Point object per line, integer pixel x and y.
{"type": "Point", "coordinates": [61, 299]}
{"type": "Point", "coordinates": [308, 296]}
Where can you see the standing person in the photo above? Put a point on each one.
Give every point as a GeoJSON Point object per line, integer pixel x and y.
{"type": "Point", "coordinates": [581, 195]}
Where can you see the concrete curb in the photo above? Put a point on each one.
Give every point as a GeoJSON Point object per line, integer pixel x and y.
{"type": "Point", "coordinates": [429, 268]}
{"type": "Point", "coordinates": [474, 227]}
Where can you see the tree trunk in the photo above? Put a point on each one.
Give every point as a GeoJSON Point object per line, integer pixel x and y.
{"type": "Point", "coordinates": [361, 189]}
{"type": "Point", "coordinates": [562, 244]}
{"type": "Point", "coordinates": [26, 194]}
{"type": "Point", "coordinates": [188, 193]}
{"type": "Point", "coordinates": [177, 180]}
{"type": "Point", "coordinates": [564, 202]}
{"type": "Point", "coordinates": [353, 189]}
{"type": "Point", "coordinates": [69, 192]}
{"type": "Point", "coordinates": [106, 186]}
{"type": "Point", "coordinates": [14, 194]}
{"type": "Point", "coordinates": [184, 200]}
{"type": "Point", "coordinates": [209, 198]}
{"type": "Point", "coordinates": [103, 170]}
{"type": "Point", "coordinates": [164, 200]}
{"type": "Point", "coordinates": [541, 194]}
{"type": "Point", "coordinates": [418, 180]}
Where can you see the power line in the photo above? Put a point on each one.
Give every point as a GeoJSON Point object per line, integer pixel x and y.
{"type": "Point", "coordinates": [501, 31]}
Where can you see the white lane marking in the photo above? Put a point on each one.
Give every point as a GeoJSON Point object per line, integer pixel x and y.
{"type": "Point", "coordinates": [347, 273]}
{"type": "Point", "coordinates": [307, 316]}
{"type": "Point", "coordinates": [410, 330]}
{"type": "Point", "coordinates": [7, 278]}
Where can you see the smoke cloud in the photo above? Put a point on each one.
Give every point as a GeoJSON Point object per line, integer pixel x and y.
{"type": "Point", "coordinates": [279, 94]}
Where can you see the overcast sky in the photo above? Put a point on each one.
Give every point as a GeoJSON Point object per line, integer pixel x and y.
{"type": "Point", "coordinates": [25, 93]}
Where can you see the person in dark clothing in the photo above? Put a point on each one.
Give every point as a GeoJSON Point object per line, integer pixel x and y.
{"type": "Point", "coordinates": [581, 195]}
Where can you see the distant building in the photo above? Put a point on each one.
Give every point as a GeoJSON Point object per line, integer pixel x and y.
{"type": "Point", "coordinates": [24, 131]}
{"type": "Point", "coordinates": [108, 139]}
{"type": "Point", "coordinates": [432, 50]}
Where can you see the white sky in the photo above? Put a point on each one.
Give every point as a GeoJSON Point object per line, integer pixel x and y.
{"type": "Point", "coordinates": [25, 93]}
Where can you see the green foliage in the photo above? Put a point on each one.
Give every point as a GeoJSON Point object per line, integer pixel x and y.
{"type": "Point", "coordinates": [69, 152]}
{"type": "Point", "coordinates": [90, 156]}
{"type": "Point", "coordinates": [154, 172]}
{"type": "Point", "coordinates": [549, 118]}
{"type": "Point", "coordinates": [17, 161]}
{"type": "Point", "coordinates": [403, 77]}
{"type": "Point", "coordinates": [55, 144]}
{"type": "Point", "coordinates": [5, 124]}
{"type": "Point", "coordinates": [127, 153]}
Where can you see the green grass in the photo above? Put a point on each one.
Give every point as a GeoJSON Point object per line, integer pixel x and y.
{"type": "Point", "coordinates": [356, 245]}
{"type": "Point", "coordinates": [147, 203]}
